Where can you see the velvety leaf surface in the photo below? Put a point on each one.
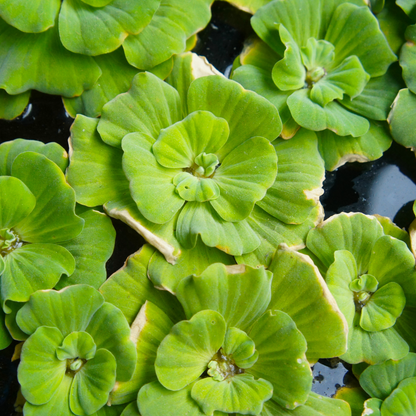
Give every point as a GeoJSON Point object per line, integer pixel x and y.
{"type": "Point", "coordinates": [380, 380]}
{"type": "Point", "coordinates": [91, 250]}
{"type": "Point", "coordinates": [249, 6]}
{"type": "Point", "coordinates": [155, 400]}
{"type": "Point", "coordinates": [147, 178]}
{"type": "Point", "coordinates": [282, 359]}
{"type": "Point", "coordinates": [93, 383]}
{"type": "Point", "coordinates": [241, 347]}
{"type": "Point", "coordinates": [403, 399]}
{"type": "Point", "coordinates": [172, 24]}
{"type": "Point", "coordinates": [116, 78]}
{"type": "Point", "coordinates": [115, 338]}
{"type": "Point", "coordinates": [53, 219]}
{"type": "Point", "coordinates": [96, 30]}
{"type": "Point", "coordinates": [60, 309]}
{"type": "Point", "coordinates": [41, 372]}
{"type": "Point", "coordinates": [10, 150]}
{"type": "Point", "coordinates": [299, 290]}
{"type": "Point", "coordinates": [16, 201]}
{"type": "Point", "coordinates": [150, 106]}
{"type": "Point", "coordinates": [193, 261]}
{"type": "Point", "coordinates": [129, 288]}
{"type": "Point", "coordinates": [195, 218]}
{"type": "Point", "coordinates": [12, 106]}
{"type": "Point", "coordinates": [33, 267]}
{"type": "Point", "coordinates": [35, 16]}
{"type": "Point", "coordinates": [240, 293]}
{"type": "Point", "coordinates": [59, 72]}
{"type": "Point", "coordinates": [95, 171]}
{"type": "Point", "coordinates": [298, 183]}
{"type": "Point", "coordinates": [247, 113]}
{"type": "Point", "coordinates": [336, 150]}
{"type": "Point", "coordinates": [356, 233]}
{"type": "Point", "coordinates": [150, 327]}
{"type": "Point", "coordinates": [5, 338]}
{"type": "Point", "coordinates": [316, 405]}
{"type": "Point", "coordinates": [401, 120]}
{"type": "Point", "coordinates": [408, 57]}
{"type": "Point", "coordinates": [77, 345]}
{"type": "Point", "coordinates": [241, 393]}
{"type": "Point", "coordinates": [355, 397]}
{"type": "Point", "coordinates": [184, 354]}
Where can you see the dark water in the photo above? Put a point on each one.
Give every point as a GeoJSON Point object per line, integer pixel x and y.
{"type": "Point", "coordinates": [386, 187]}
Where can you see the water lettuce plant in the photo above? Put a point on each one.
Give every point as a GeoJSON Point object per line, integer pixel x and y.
{"type": "Point", "coordinates": [69, 366]}
{"type": "Point", "coordinates": [231, 340]}
{"type": "Point", "coordinates": [324, 72]}
{"type": "Point", "coordinates": [43, 242]}
{"type": "Point", "coordinates": [205, 150]}
{"type": "Point", "coordinates": [65, 37]}
{"type": "Point", "coordinates": [373, 279]}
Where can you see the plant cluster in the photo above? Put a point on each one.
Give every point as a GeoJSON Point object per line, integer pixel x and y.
{"type": "Point", "coordinates": [241, 286]}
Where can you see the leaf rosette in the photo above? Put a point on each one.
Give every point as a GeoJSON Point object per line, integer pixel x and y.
{"type": "Point", "coordinates": [210, 351]}
{"type": "Point", "coordinates": [192, 165]}
{"type": "Point", "coordinates": [372, 277]}
{"type": "Point", "coordinates": [323, 71]}
{"type": "Point", "coordinates": [69, 366]}
{"type": "Point", "coordinates": [73, 42]}
{"type": "Point", "coordinates": [43, 242]}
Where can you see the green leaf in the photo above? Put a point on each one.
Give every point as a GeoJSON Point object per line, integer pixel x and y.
{"type": "Point", "coordinates": [10, 150]}
{"type": "Point", "coordinates": [59, 72]}
{"type": "Point", "coordinates": [53, 219]}
{"type": "Point", "coordinates": [193, 188]}
{"type": "Point", "coordinates": [193, 261]}
{"type": "Point", "coordinates": [407, 6]}
{"type": "Point", "coordinates": [201, 132]}
{"type": "Point", "coordinates": [40, 372]}
{"type": "Point", "coordinates": [402, 401]}
{"type": "Point", "coordinates": [96, 30]}
{"type": "Point", "coordinates": [95, 171]}
{"type": "Point", "coordinates": [116, 78]}
{"type": "Point", "coordinates": [401, 119]}
{"type": "Point", "coordinates": [333, 116]}
{"type": "Point", "coordinates": [380, 380]}
{"type": "Point", "coordinates": [93, 383]}
{"type": "Point", "coordinates": [273, 232]}
{"type": "Point", "coordinates": [241, 347]}
{"type": "Point", "coordinates": [249, 6]}
{"type": "Point", "coordinates": [347, 78]}
{"type": "Point", "coordinates": [184, 354]}
{"type": "Point", "coordinates": [355, 397]}
{"type": "Point", "coordinates": [77, 345]}
{"type": "Point", "coordinates": [354, 232]}
{"type": "Point", "coordinates": [408, 57]}
{"type": "Point", "coordinates": [282, 359]}
{"type": "Point", "coordinates": [296, 190]}
{"type": "Point", "coordinates": [16, 201]}
{"type": "Point", "coordinates": [355, 31]}
{"type": "Point", "coordinates": [110, 330]}
{"type": "Point", "coordinates": [240, 393]}
{"type": "Point", "coordinates": [199, 218]}
{"type": "Point", "coordinates": [36, 16]}
{"type": "Point", "coordinates": [58, 404]}
{"type": "Point", "coordinates": [375, 100]}
{"type": "Point", "coordinates": [317, 53]}
{"type": "Point", "coordinates": [336, 150]}
{"type": "Point", "coordinates": [246, 113]}
{"type": "Point", "coordinates": [299, 290]}
{"type": "Point", "coordinates": [33, 267]}
{"type": "Point", "coordinates": [155, 400]}
{"type": "Point", "coordinates": [172, 24]}
{"type": "Point", "coordinates": [97, 3]}
{"type": "Point", "coordinates": [225, 289]}
{"type": "Point", "coordinates": [149, 328]}
{"type": "Point", "coordinates": [289, 73]}
{"type": "Point", "coordinates": [132, 284]}
{"type": "Point", "coordinates": [5, 338]}
{"type": "Point", "coordinates": [51, 308]}
{"type": "Point", "coordinates": [148, 107]}
{"type": "Point", "coordinates": [244, 176]}
{"type": "Point", "coordinates": [12, 106]}
{"type": "Point", "coordinates": [91, 250]}
{"type": "Point", "coordinates": [383, 308]}
{"type": "Point", "coordinates": [148, 177]}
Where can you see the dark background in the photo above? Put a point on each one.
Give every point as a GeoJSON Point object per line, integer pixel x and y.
{"type": "Point", "coordinates": [386, 186]}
